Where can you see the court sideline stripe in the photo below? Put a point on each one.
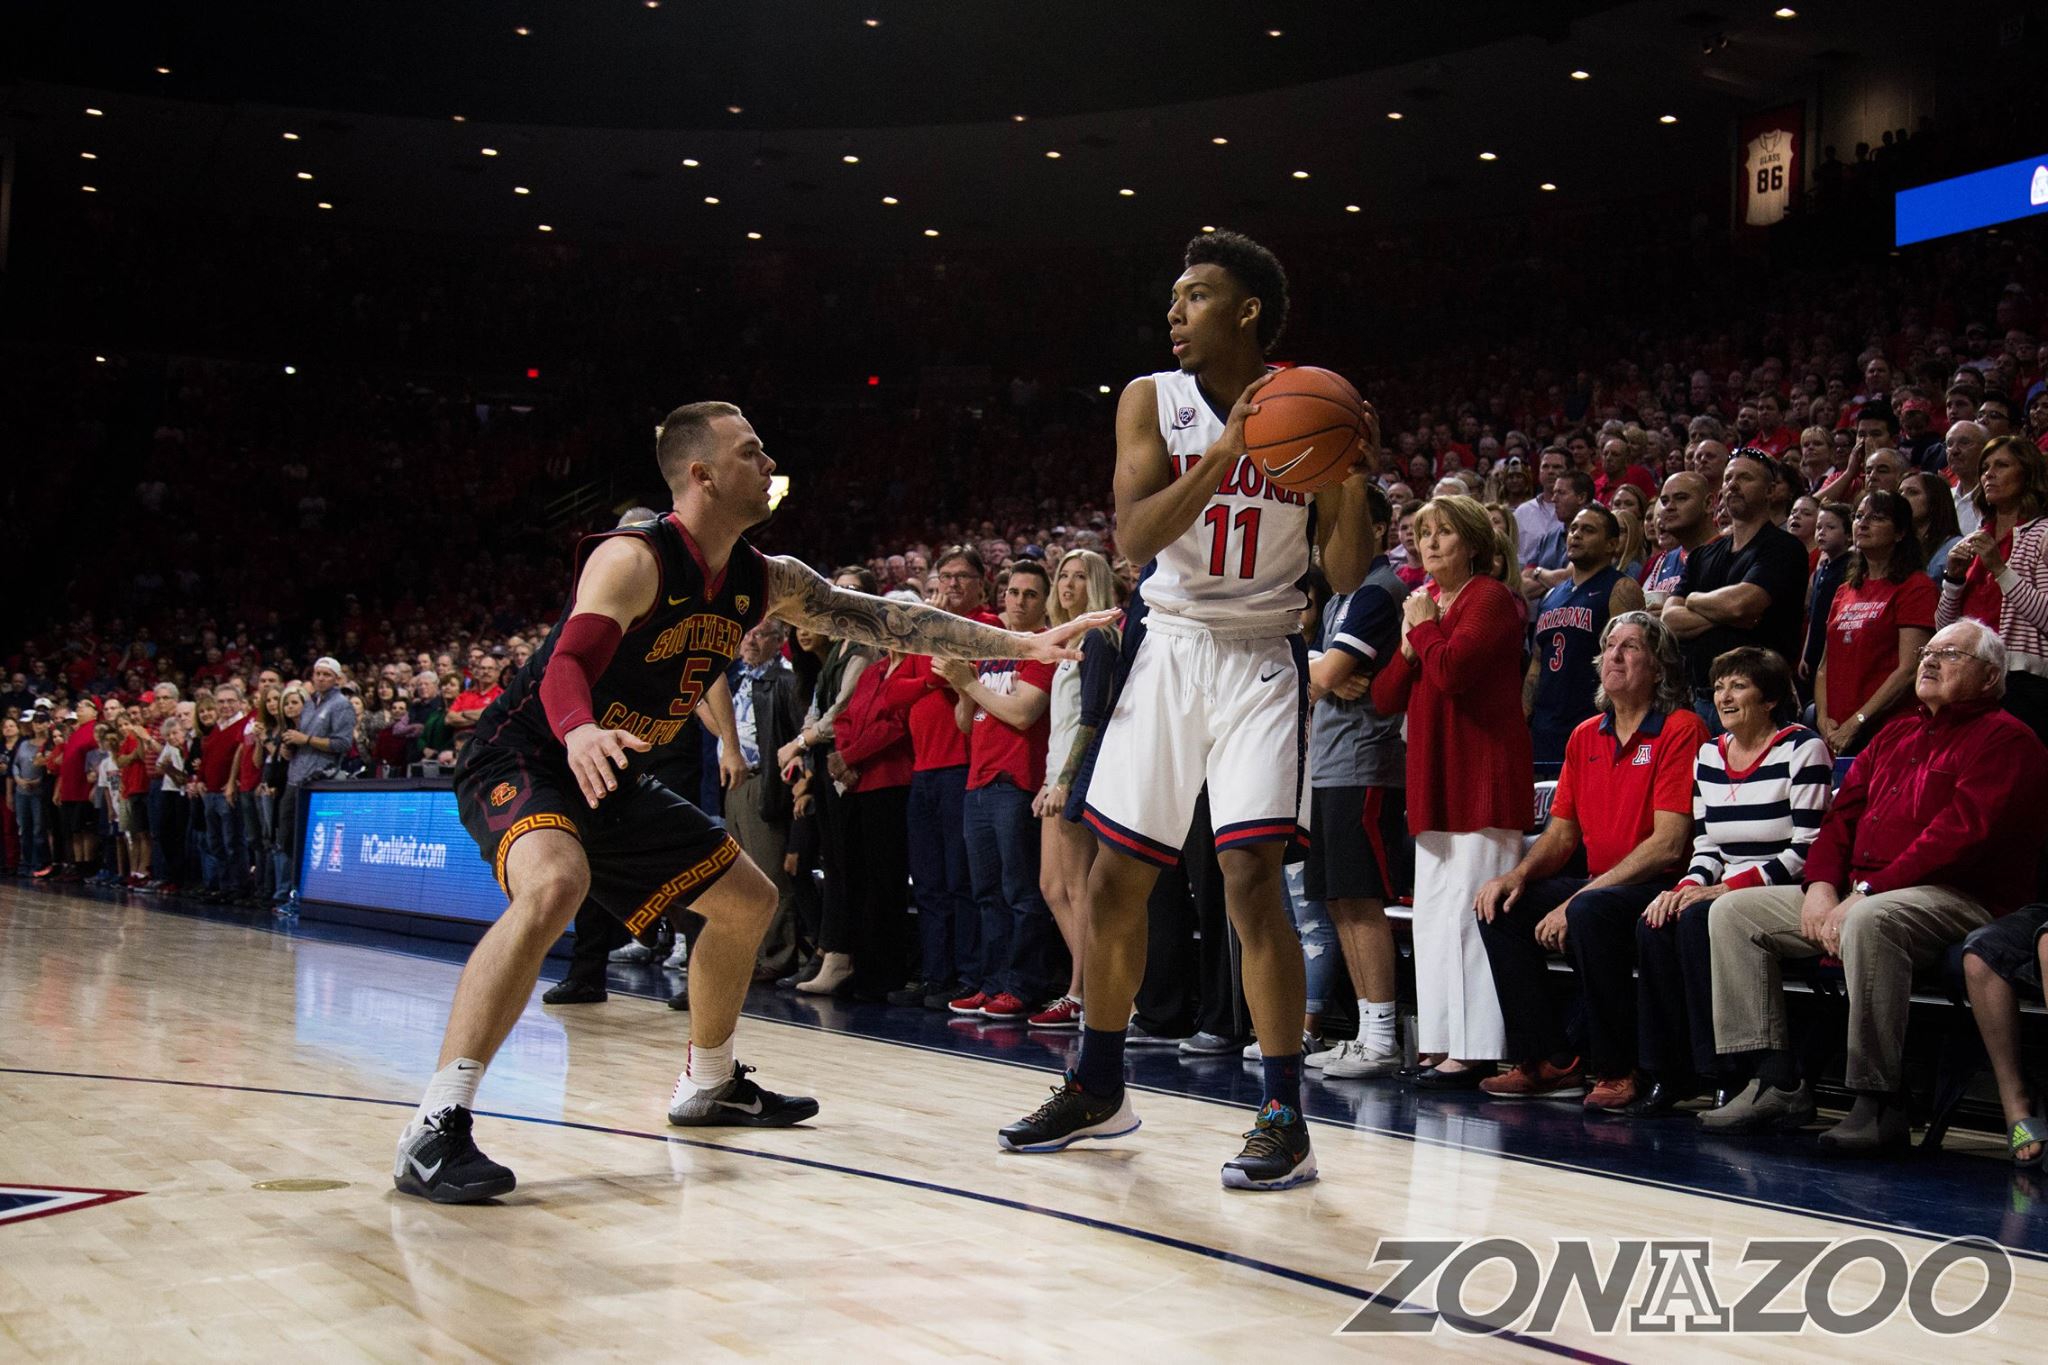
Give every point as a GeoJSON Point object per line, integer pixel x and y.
{"type": "Point", "coordinates": [1550, 1163]}
{"type": "Point", "coordinates": [1465, 1325]}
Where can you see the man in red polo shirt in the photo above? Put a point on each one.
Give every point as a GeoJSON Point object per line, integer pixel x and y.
{"type": "Point", "coordinates": [1626, 795]}
{"type": "Point", "coordinates": [226, 861]}
{"type": "Point", "coordinates": [136, 758]}
{"type": "Point", "coordinates": [75, 826]}
{"type": "Point", "coordinates": [1004, 706]}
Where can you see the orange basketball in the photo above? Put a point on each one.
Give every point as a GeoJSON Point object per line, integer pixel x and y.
{"type": "Point", "coordinates": [1308, 429]}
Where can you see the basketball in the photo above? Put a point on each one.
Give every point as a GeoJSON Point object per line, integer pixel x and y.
{"type": "Point", "coordinates": [1308, 429]}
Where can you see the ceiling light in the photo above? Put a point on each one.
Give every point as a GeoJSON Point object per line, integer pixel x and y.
{"type": "Point", "coordinates": [458, 118]}
{"type": "Point", "coordinates": [522, 30]}
{"type": "Point", "coordinates": [100, 359]}
{"type": "Point", "coordinates": [850, 159]}
{"type": "Point", "coordinates": [163, 71]}
{"type": "Point", "coordinates": [291, 137]}
{"type": "Point", "coordinates": [691, 162]}
{"type": "Point", "coordinates": [1546, 187]}
{"type": "Point", "coordinates": [544, 227]}
{"type": "Point", "coordinates": [323, 204]}
{"type": "Point", "coordinates": [1102, 388]}
{"type": "Point", "coordinates": [89, 156]}
{"type": "Point", "coordinates": [291, 369]}
{"type": "Point", "coordinates": [1017, 118]}
{"type": "Point", "coordinates": [1275, 32]}
{"type": "Point", "coordinates": [95, 113]}
{"type": "Point", "coordinates": [521, 189]}
{"type": "Point", "coordinates": [1488, 156]}
{"type": "Point", "coordinates": [1127, 193]}
{"type": "Point", "coordinates": [1301, 175]}
{"type": "Point", "coordinates": [1786, 12]}
{"type": "Point", "coordinates": [488, 151]}
{"type": "Point", "coordinates": [90, 189]}
{"type": "Point", "coordinates": [872, 23]}
{"type": "Point", "coordinates": [1582, 75]}
{"type": "Point", "coordinates": [1667, 118]}
{"type": "Point", "coordinates": [1351, 208]}
{"type": "Point", "coordinates": [1208, 227]}
{"type": "Point", "coordinates": [1052, 156]}
{"type": "Point", "coordinates": [710, 198]}
{"type": "Point", "coordinates": [653, 4]}
{"type": "Point", "coordinates": [305, 175]}
{"type": "Point", "coordinates": [1220, 141]}
{"type": "Point", "coordinates": [734, 109]}
{"type": "Point", "coordinates": [888, 198]}
{"type": "Point", "coordinates": [753, 236]}
{"type": "Point", "coordinates": [931, 232]}
{"type": "Point", "coordinates": [1394, 114]}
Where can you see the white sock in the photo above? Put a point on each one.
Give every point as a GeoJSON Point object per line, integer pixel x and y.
{"type": "Point", "coordinates": [708, 1067]}
{"type": "Point", "coordinates": [454, 1084]}
{"type": "Point", "coordinates": [1376, 1025]}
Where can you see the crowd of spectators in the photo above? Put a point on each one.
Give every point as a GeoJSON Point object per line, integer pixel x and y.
{"type": "Point", "coordinates": [1749, 581]}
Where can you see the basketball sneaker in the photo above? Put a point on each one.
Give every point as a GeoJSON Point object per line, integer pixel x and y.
{"type": "Point", "coordinates": [1069, 1116]}
{"type": "Point", "coordinates": [438, 1160]}
{"type": "Point", "coordinates": [739, 1103]}
{"type": "Point", "coordinates": [1276, 1153]}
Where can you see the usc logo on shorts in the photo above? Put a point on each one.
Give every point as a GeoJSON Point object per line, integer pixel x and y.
{"type": "Point", "coordinates": [502, 793]}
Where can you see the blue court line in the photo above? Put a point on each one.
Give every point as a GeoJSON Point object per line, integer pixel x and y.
{"type": "Point", "coordinates": [1302, 1277]}
{"type": "Point", "coordinates": [270, 925]}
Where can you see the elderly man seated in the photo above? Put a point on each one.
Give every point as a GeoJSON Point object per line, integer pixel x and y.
{"type": "Point", "coordinates": [1626, 794]}
{"type": "Point", "coordinates": [1934, 834]}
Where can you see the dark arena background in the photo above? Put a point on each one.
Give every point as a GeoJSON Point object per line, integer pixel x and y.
{"type": "Point", "coordinates": [1615, 935]}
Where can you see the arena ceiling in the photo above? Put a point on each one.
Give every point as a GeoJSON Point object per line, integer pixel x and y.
{"type": "Point", "coordinates": [891, 123]}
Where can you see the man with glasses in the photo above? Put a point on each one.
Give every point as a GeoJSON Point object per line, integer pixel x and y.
{"type": "Point", "coordinates": [1932, 836]}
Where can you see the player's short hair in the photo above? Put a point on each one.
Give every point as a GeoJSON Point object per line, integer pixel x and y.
{"type": "Point", "coordinates": [1382, 511]}
{"type": "Point", "coordinates": [633, 516]}
{"type": "Point", "coordinates": [1254, 267]}
{"type": "Point", "coordinates": [680, 437]}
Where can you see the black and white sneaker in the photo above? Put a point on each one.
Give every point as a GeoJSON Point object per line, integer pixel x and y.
{"type": "Point", "coordinates": [1276, 1153]}
{"type": "Point", "coordinates": [1069, 1116]}
{"type": "Point", "coordinates": [739, 1103]}
{"type": "Point", "coordinates": [439, 1161]}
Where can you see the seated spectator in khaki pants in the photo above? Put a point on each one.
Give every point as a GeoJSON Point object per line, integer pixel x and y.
{"type": "Point", "coordinates": [1932, 835]}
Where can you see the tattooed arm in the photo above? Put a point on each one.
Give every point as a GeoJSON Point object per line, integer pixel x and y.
{"type": "Point", "coordinates": [798, 595]}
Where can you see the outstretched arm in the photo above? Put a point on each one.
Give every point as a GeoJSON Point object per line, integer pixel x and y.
{"type": "Point", "coordinates": [800, 596]}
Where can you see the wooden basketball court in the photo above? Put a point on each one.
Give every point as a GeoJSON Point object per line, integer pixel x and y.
{"type": "Point", "coordinates": [244, 1088]}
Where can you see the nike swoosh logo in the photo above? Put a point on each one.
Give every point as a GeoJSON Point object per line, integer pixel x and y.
{"type": "Point", "coordinates": [678, 601]}
{"type": "Point", "coordinates": [1281, 469]}
{"type": "Point", "coordinates": [460, 1067]}
{"type": "Point", "coordinates": [425, 1173]}
{"type": "Point", "coordinates": [754, 1108]}
{"type": "Point", "coordinates": [1268, 677]}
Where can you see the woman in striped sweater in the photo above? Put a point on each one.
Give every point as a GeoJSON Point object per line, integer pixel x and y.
{"type": "Point", "coordinates": [1758, 796]}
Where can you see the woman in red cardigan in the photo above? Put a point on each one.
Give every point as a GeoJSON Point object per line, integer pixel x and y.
{"type": "Point", "coordinates": [1470, 778]}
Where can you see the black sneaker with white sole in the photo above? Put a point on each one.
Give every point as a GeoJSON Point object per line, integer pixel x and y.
{"type": "Point", "coordinates": [439, 1161]}
{"type": "Point", "coordinates": [1276, 1153]}
{"type": "Point", "coordinates": [739, 1103]}
{"type": "Point", "coordinates": [1069, 1116]}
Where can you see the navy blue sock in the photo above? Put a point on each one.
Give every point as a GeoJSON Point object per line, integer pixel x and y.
{"type": "Point", "coordinates": [1101, 1068]}
{"type": "Point", "coordinates": [1283, 1080]}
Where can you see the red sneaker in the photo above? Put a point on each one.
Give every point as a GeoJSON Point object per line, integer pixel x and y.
{"type": "Point", "coordinates": [1064, 1012]}
{"type": "Point", "coordinates": [1540, 1083]}
{"type": "Point", "coordinates": [968, 1004]}
{"type": "Point", "coordinates": [1005, 1008]}
{"type": "Point", "coordinates": [1612, 1093]}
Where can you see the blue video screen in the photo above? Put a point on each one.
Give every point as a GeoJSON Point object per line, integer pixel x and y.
{"type": "Point", "coordinates": [401, 849]}
{"type": "Point", "coordinates": [1981, 199]}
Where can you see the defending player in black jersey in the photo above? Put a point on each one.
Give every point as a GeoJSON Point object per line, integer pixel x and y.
{"type": "Point", "coordinates": [554, 788]}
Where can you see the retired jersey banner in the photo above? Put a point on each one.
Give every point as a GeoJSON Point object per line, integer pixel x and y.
{"type": "Point", "coordinates": [1770, 170]}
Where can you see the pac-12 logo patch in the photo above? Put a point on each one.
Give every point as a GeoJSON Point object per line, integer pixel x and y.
{"type": "Point", "coordinates": [502, 793]}
{"type": "Point", "coordinates": [1642, 758]}
{"type": "Point", "coordinates": [742, 601]}
{"type": "Point", "coordinates": [1183, 418]}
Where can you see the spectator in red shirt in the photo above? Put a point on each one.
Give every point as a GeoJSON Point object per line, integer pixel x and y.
{"type": "Point", "coordinates": [75, 826]}
{"type": "Point", "coordinates": [1003, 709]}
{"type": "Point", "coordinates": [1617, 467]}
{"type": "Point", "coordinates": [1934, 834]}
{"type": "Point", "coordinates": [136, 758]}
{"type": "Point", "coordinates": [871, 757]}
{"type": "Point", "coordinates": [1880, 617]}
{"type": "Point", "coordinates": [1471, 773]}
{"type": "Point", "coordinates": [1625, 796]}
{"type": "Point", "coordinates": [482, 692]}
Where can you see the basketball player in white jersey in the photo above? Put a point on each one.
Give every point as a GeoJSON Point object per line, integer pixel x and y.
{"type": "Point", "coordinates": [1217, 694]}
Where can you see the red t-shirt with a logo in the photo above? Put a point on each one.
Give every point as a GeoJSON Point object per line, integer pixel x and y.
{"type": "Point", "coordinates": [1614, 790]}
{"type": "Point", "coordinates": [1863, 636]}
{"type": "Point", "coordinates": [999, 750]}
